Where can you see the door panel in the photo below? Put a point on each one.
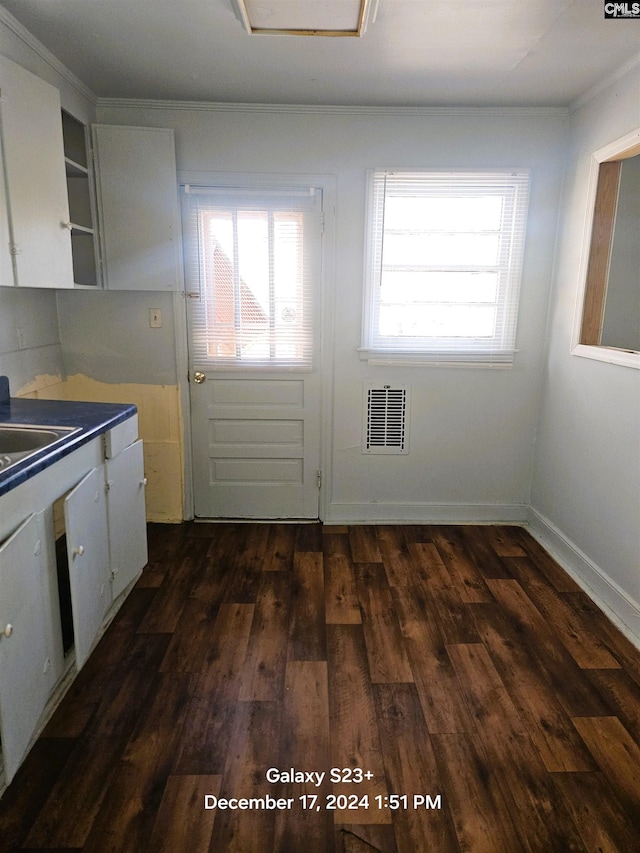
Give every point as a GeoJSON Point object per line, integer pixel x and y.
{"type": "Point", "coordinates": [85, 515]}
{"type": "Point", "coordinates": [257, 441]}
{"type": "Point", "coordinates": [25, 676]}
{"type": "Point", "coordinates": [126, 512]}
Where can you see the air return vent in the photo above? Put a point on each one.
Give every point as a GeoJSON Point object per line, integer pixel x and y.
{"type": "Point", "coordinates": [385, 427]}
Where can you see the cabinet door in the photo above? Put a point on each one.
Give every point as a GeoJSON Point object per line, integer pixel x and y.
{"type": "Point", "coordinates": [138, 219]}
{"type": "Point", "coordinates": [127, 517]}
{"type": "Point", "coordinates": [36, 190]}
{"type": "Point", "coordinates": [25, 680]}
{"type": "Point", "coordinates": [85, 515]}
{"type": "Point", "coordinates": [6, 266]}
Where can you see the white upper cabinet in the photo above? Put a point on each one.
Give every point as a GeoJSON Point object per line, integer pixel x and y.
{"type": "Point", "coordinates": [138, 213]}
{"type": "Point", "coordinates": [37, 206]}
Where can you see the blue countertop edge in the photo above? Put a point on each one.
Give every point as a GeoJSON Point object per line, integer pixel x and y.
{"type": "Point", "coordinates": [93, 419]}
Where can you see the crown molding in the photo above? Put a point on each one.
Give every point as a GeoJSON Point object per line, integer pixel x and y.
{"type": "Point", "coordinates": [12, 24]}
{"type": "Point", "coordinates": [604, 84]}
{"type": "Point", "coordinates": [324, 109]}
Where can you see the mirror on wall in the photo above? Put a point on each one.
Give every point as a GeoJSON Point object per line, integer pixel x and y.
{"type": "Point", "coordinates": [611, 306]}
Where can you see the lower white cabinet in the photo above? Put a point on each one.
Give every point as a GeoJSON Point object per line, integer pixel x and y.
{"type": "Point", "coordinates": [25, 654]}
{"type": "Point", "coordinates": [106, 547]}
{"type": "Point", "coordinates": [85, 515]}
{"type": "Point", "coordinates": [127, 517]}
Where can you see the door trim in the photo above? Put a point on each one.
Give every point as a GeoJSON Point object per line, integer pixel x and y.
{"type": "Point", "coordinates": [327, 183]}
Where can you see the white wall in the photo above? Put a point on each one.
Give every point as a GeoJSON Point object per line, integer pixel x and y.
{"type": "Point", "coordinates": [586, 479]}
{"type": "Point", "coordinates": [472, 430]}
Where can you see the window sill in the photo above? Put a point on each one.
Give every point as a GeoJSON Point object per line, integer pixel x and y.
{"type": "Point", "coordinates": [623, 357]}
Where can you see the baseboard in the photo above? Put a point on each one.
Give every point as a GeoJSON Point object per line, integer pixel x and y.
{"type": "Point", "coordinates": [425, 513]}
{"type": "Point", "coordinates": [623, 611]}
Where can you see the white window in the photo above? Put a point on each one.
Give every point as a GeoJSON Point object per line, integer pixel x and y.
{"type": "Point", "coordinates": [249, 271]}
{"type": "Point", "coordinates": [444, 252]}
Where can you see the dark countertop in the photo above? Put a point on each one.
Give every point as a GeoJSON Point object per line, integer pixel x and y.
{"type": "Point", "coordinates": [94, 419]}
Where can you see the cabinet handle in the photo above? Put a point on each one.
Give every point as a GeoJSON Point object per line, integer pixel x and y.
{"type": "Point", "coordinates": [7, 631]}
{"type": "Point", "coordinates": [144, 481]}
{"type": "Point", "coordinates": [67, 225]}
{"type": "Point", "coordinates": [79, 551]}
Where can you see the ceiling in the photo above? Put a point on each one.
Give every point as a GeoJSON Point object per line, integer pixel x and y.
{"type": "Point", "coordinates": [416, 53]}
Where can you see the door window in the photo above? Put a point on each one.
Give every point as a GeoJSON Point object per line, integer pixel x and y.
{"type": "Point", "coordinates": [248, 266]}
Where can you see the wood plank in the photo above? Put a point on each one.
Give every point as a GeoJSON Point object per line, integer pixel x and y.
{"type": "Point", "coordinates": [504, 540]}
{"type": "Point", "coordinates": [572, 630]}
{"type": "Point", "coordinates": [214, 693]}
{"type": "Point", "coordinates": [341, 597]}
{"type": "Point", "coordinates": [386, 654]}
{"type": "Point", "coordinates": [622, 694]}
{"type": "Point", "coordinates": [396, 558]}
{"type": "Point", "coordinates": [418, 532]}
{"type": "Point", "coordinates": [307, 633]}
{"type": "Point", "coordinates": [248, 562]}
{"type": "Point", "coordinates": [91, 766]}
{"type": "Point", "coordinates": [181, 822]}
{"type": "Point", "coordinates": [602, 822]}
{"type": "Point", "coordinates": [190, 641]}
{"type": "Point", "coordinates": [573, 689]}
{"type": "Point", "coordinates": [543, 823]}
{"type": "Point", "coordinates": [467, 579]}
{"type": "Point", "coordinates": [547, 723]}
{"type": "Point", "coordinates": [621, 648]}
{"type": "Point", "coordinates": [305, 743]}
{"type": "Point", "coordinates": [280, 548]}
{"type": "Point", "coordinates": [544, 562]}
{"type": "Point", "coordinates": [481, 817]}
{"type": "Point", "coordinates": [455, 619]}
{"type": "Point", "coordinates": [26, 796]}
{"type": "Point", "coordinates": [478, 546]}
{"type": "Point", "coordinates": [411, 770]}
{"type": "Point", "coordinates": [253, 747]}
{"type": "Point", "coordinates": [308, 537]}
{"type": "Point", "coordinates": [164, 613]}
{"type": "Point", "coordinates": [363, 838]}
{"type": "Point", "coordinates": [435, 678]}
{"type": "Point", "coordinates": [263, 670]}
{"type": "Point", "coordinates": [355, 741]}
{"type": "Point", "coordinates": [364, 544]}
{"type": "Point", "coordinates": [125, 820]}
{"type": "Point", "coordinates": [618, 755]}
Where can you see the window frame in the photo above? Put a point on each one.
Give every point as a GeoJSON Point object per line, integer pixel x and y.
{"type": "Point", "coordinates": [592, 285]}
{"type": "Point", "coordinates": [498, 351]}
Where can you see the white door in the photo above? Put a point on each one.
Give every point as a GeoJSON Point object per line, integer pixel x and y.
{"type": "Point", "coordinates": [253, 263]}
{"type": "Point", "coordinates": [85, 515]}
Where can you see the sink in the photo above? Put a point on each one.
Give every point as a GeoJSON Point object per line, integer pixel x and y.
{"type": "Point", "coordinates": [18, 442]}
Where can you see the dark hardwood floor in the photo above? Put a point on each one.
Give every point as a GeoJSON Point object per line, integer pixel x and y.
{"type": "Point", "coordinates": [457, 669]}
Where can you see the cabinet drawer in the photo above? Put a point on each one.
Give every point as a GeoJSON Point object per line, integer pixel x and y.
{"type": "Point", "coordinates": [120, 436]}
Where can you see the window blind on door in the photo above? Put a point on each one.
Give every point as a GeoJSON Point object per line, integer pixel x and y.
{"type": "Point", "coordinates": [250, 276]}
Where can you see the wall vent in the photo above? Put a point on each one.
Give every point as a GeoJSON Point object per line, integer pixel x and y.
{"type": "Point", "coordinates": [385, 427]}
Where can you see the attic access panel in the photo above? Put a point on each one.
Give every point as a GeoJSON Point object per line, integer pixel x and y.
{"type": "Point", "coordinates": [306, 17]}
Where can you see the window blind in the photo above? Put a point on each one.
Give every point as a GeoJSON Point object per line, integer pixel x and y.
{"type": "Point", "coordinates": [444, 255]}
{"type": "Point", "coordinates": [249, 275]}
